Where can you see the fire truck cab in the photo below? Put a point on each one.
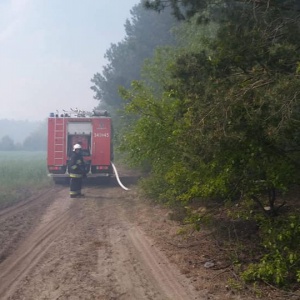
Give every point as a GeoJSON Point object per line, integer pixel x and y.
{"type": "Point", "coordinates": [93, 131]}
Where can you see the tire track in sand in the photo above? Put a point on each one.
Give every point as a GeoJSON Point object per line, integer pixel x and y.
{"type": "Point", "coordinates": [130, 266]}
{"type": "Point", "coordinates": [26, 257]}
{"type": "Point", "coordinates": [90, 249]}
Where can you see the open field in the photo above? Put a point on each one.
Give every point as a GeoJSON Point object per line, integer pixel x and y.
{"type": "Point", "coordinates": [20, 172]}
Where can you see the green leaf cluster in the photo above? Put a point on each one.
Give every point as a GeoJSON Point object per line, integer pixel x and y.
{"type": "Point", "coordinates": [281, 263]}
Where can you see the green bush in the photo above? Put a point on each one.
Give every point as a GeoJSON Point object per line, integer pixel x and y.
{"type": "Point", "coordinates": [280, 265]}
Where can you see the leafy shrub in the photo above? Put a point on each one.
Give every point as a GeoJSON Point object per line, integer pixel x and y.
{"type": "Point", "coordinates": [280, 264]}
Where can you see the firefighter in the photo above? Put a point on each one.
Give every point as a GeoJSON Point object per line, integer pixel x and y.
{"type": "Point", "coordinates": [77, 172]}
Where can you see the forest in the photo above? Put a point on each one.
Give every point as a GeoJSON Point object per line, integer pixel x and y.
{"type": "Point", "coordinates": [16, 135]}
{"type": "Point", "coordinates": [205, 99]}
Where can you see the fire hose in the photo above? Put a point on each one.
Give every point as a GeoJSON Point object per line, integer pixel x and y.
{"type": "Point", "coordinates": [118, 179]}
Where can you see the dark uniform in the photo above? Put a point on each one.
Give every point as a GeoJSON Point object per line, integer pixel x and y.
{"type": "Point", "coordinates": [77, 172]}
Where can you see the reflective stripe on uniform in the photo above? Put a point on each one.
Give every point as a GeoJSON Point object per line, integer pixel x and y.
{"type": "Point", "coordinates": [72, 175]}
{"type": "Point", "coordinates": [75, 192]}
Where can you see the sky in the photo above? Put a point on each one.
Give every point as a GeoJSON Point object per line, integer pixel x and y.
{"type": "Point", "coordinates": [50, 51]}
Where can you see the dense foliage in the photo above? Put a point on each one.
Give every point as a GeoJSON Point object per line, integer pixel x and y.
{"type": "Point", "coordinates": [185, 9]}
{"type": "Point", "coordinates": [281, 262]}
{"type": "Point", "coordinates": [214, 116]}
{"type": "Point", "coordinates": [230, 111]}
{"type": "Point", "coordinates": [218, 117]}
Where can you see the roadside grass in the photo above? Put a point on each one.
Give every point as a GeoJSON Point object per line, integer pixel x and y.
{"type": "Point", "coordinates": [21, 173]}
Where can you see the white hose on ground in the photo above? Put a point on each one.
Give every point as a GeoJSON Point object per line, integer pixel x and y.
{"type": "Point", "coordinates": [118, 179]}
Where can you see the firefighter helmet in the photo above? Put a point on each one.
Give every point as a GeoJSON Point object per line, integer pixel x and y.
{"type": "Point", "coordinates": [76, 146]}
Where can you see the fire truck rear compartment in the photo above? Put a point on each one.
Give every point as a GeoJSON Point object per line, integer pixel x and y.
{"type": "Point", "coordinates": [94, 135]}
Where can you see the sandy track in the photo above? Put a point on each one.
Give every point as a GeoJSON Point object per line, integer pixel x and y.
{"type": "Point", "coordinates": [16, 221]}
{"type": "Point", "coordinates": [89, 248]}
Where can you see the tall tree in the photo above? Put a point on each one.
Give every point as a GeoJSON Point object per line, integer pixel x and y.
{"type": "Point", "coordinates": [7, 144]}
{"type": "Point", "coordinates": [144, 32]}
{"type": "Point", "coordinates": [185, 9]}
{"type": "Point", "coordinates": [37, 140]}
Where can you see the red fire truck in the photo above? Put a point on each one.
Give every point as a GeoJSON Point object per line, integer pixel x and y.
{"type": "Point", "coordinates": [92, 130]}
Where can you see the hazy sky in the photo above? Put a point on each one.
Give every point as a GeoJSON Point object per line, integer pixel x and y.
{"type": "Point", "coordinates": [50, 50]}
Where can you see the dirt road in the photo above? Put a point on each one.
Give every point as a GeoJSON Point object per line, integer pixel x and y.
{"type": "Point", "coordinates": [55, 247]}
{"type": "Point", "coordinates": [110, 245]}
